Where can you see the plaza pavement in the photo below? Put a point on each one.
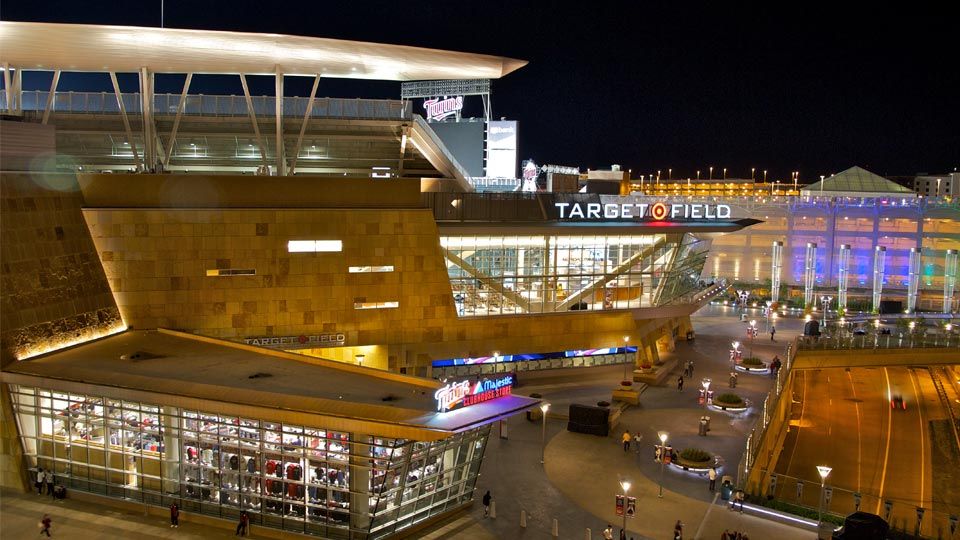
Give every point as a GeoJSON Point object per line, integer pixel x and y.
{"type": "Point", "coordinates": [582, 471]}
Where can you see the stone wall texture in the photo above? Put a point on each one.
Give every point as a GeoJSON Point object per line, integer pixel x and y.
{"type": "Point", "coordinates": [53, 291]}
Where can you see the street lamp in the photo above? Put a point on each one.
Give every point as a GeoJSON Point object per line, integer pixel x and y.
{"type": "Point", "coordinates": [543, 440]}
{"type": "Point", "coordinates": [496, 361]}
{"type": "Point", "coordinates": [360, 358]}
{"type": "Point", "coordinates": [705, 383]}
{"type": "Point", "coordinates": [724, 173]}
{"type": "Point", "coordinates": [824, 472]}
{"type": "Point", "coordinates": [711, 172]}
{"type": "Point", "coordinates": [626, 354]}
{"type": "Point", "coordinates": [625, 484]}
{"type": "Point", "coordinates": [769, 303]}
{"type": "Point", "coordinates": [753, 334]}
{"type": "Point", "coordinates": [663, 456]}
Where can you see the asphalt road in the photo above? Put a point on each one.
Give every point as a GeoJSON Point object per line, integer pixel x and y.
{"type": "Point", "coordinates": [843, 419]}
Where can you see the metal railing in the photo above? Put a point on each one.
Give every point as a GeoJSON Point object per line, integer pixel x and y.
{"type": "Point", "coordinates": [876, 341]}
{"type": "Point", "coordinates": [204, 105]}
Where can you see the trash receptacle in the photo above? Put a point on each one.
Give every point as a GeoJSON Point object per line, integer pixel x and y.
{"type": "Point", "coordinates": [743, 316]}
{"type": "Point", "coordinates": [704, 425]}
{"type": "Point", "coordinates": [726, 490]}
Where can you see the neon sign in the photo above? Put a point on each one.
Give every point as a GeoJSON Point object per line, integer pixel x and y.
{"type": "Point", "coordinates": [657, 211]}
{"type": "Point", "coordinates": [464, 393]}
{"type": "Point", "coordinates": [438, 109]}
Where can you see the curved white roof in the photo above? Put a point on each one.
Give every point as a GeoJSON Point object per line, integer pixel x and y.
{"type": "Point", "coordinates": [101, 48]}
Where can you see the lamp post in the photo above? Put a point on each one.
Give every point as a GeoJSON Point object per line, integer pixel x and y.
{"type": "Point", "coordinates": [724, 173]}
{"type": "Point", "coordinates": [626, 354]}
{"type": "Point", "coordinates": [543, 438]}
{"type": "Point", "coordinates": [753, 334]}
{"type": "Point", "coordinates": [496, 361]}
{"type": "Point", "coordinates": [711, 172]}
{"type": "Point", "coordinates": [360, 358]}
{"type": "Point", "coordinates": [734, 353]}
{"type": "Point", "coordinates": [705, 383]}
{"type": "Point", "coordinates": [824, 472]}
{"type": "Point", "coordinates": [625, 484]}
{"type": "Point", "coordinates": [769, 303]}
{"type": "Point", "coordinates": [663, 457]}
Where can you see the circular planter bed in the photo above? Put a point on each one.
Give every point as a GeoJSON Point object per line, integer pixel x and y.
{"type": "Point", "coordinates": [752, 365]}
{"type": "Point", "coordinates": [729, 402]}
{"type": "Point", "coordinates": [694, 460]}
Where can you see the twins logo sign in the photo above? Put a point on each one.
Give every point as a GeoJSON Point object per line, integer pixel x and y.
{"type": "Point", "coordinates": [465, 393]}
{"type": "Point", "coordinates": [438, 109]}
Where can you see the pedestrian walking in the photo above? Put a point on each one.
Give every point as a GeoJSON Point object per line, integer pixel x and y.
{"type": "Point", "coordinates": [733, 379]}
{"type": "Point", "coordinates": [712, 475]}
{"type": "Point", "coordinates": [626, 441]}
{"type": "Point", "coordinates": [486, 503]}
{"type": "Point", "coordinates": [680, 383]}
{"type": "Point", "coordinates": [174, 515]}
{"type": "Point", "coordinates": [773, 331]}
{"type": "Point", "coordinates": [623, 534]}
{"type": "Point", "coordinates": [690, 367]}
{"type": "Point", "coordinates": [637, 437]}
{"type": "Point", "coordinates": [39, 481]}
{"type": "Point", "coordinates": [244, 523]}
{"type": "Point", "coordinates": [678, 531]}
{"type": "Point", "coordinates": [45, 525]}
{"type": "Point", "coordinates": [608, 532]}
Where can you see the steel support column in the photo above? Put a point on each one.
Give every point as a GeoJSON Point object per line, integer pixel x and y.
{"type": "Point", "coordinates": [775, 271]}
{"type": "Point", "coordinates": [253, 119]}
{"type": "Point", "coordinates": [126, 121]}
{"type": "Point", "coordinates": [879, 265]}
{"type": "Point", "coordinates": [303, 125]}
{"type": "Point", "coordinates": [48, 110]}
{"type": "Point", "coordinates": [176, 121]}
{"type": "Point", "coordinates": [949, 279]}
{"type": "Point", "coordinates": [809, 274]}
{"type": "Point", "coordinates": [146, 115]}
{"type": "Point", "coordinates": [913, 277]}
{"type": "Point", "coordinates": [843, 262]}
{"type": "Point", "coordinates": [7, 89]}
{"type": "Point", "coordinates": [278, 110]}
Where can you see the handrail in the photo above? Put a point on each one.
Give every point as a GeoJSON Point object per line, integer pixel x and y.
{"type": "Point", "coordinates": [216, 105]}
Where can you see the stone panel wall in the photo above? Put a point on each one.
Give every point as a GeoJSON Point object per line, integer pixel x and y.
{"type": "Point", "coordinates": [53, 291]}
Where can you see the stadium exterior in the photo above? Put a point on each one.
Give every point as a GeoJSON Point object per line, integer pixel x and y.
{"type": "Point", "coordinates": [246, 303]}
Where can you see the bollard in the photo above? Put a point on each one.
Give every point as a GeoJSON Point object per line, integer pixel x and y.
{"type": "Point", "coordinates": [555, 531]}
{"type": "Point", "coordinates": [493, 509]}
{"type": "Point", "coordinates": [588, 535]}
{"type": "Point", "coordinates": [523, 519]}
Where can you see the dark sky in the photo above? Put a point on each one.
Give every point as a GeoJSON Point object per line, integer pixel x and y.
{"type": "Point", "coordinates": [815, 89]}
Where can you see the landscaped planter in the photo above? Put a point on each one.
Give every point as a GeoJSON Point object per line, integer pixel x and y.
{"type": "Point", "coordinates": [752, 365]}
{"type": "Point", "coordinates": [698, 460]}
{"type": "Point", "coordinates": [729, 402]}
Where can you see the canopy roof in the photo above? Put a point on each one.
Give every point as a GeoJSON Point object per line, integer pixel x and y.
{"type": "Point", "coordinates": [857, 182]}
{"type": "Point", "coordinates": [184, 370]}
{"type": "Point", "coordinates": [102, 48]}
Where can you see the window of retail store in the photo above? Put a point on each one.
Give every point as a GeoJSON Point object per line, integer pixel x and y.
{"type": "Point", "coordinates": [292, 477]}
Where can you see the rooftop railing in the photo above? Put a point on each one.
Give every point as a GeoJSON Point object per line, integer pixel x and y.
{"type": "Point", "coordinates": [204, 105]}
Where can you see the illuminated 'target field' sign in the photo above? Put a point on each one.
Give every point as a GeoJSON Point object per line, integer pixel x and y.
{"type": "Point", "coordinates": [656, 211]}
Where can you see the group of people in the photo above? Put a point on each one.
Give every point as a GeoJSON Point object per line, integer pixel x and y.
{"type": "Point", "coordinates": [775, 366]}
{"type": "Point", "coordinates": [733, 535]}
{"type": "Point", "coordinates": [608, 533]}
{"type": "Point", "coordinates": [243, 524]}
{"type": "Point", "coordinates": [47, 483]}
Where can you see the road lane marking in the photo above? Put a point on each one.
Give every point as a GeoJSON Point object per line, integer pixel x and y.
{"type": "Point", "coordinates": [886, 453]}
{"type": "Point", "coordinates": [699, 533]}
{"type": "Point", "coordinates": [923, 435]}
{"type": "Point", "coordinates": [856, 404]}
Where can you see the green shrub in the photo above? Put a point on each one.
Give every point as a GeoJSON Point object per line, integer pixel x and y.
{"type": "Point", "coordinates": [695, 455]}
{"type": "Point", "coordinates": [751, 361]}
{"type": "Point", "coordinates": [797, 510]}
{"type": "Point", "coordinates": [728, 399]}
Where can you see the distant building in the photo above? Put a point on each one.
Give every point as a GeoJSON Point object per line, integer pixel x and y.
{"type": "Point", "coordinates": [937, 185]}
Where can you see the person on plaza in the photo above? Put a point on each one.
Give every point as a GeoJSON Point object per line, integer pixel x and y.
{"type": "Point", "coordinates": [45, 525]}
{"type": "Point", "coordinates": [174, 515]}
{"type": "Point", "coordinates": [51, 485]}
{"type": "Point", "coordinates": [626, 440]}
{"type": "Point", "coordinates": [48, 482]}
{"type": "Point", "coordinates": [637, 437]}
{"type": "Point", "coordinates": [712, 475]}
{"type": "Point", "coordinates": [773, 331]}
{"type": "Point", "coordinates": [690, 367]}
{"type": "Point", "coordinates": [725, 535]}
{"type": "Point", "coordinates": [680, 383]}
{"type": "Point", "coordinates": [623, 534]}
{"type": "Point", "coordinates": [244, 523]}
{"type": "Point", "coordinates": [486, 503]}
{"type": "Point", "coordinates": [657, 454]}
{"type": "Point", "coordinates": [678, 531]}
{"type": "Point", "coordinates": [39, 482]}
{"type": "Point", "coordinates": [737, 498]}
{"type": "Point", "coordinates": [608, 532]}
{"type": "Point", "coordinates": [733, 379]}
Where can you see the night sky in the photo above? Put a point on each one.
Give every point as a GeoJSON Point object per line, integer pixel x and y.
{"type": "Point", "coordinates": [816, 89]}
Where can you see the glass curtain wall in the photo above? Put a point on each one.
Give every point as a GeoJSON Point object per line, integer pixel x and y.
{"type": "Point", "coordinates": [494, 275]}
{"type": "Point", "coordinates": [291, 477]}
